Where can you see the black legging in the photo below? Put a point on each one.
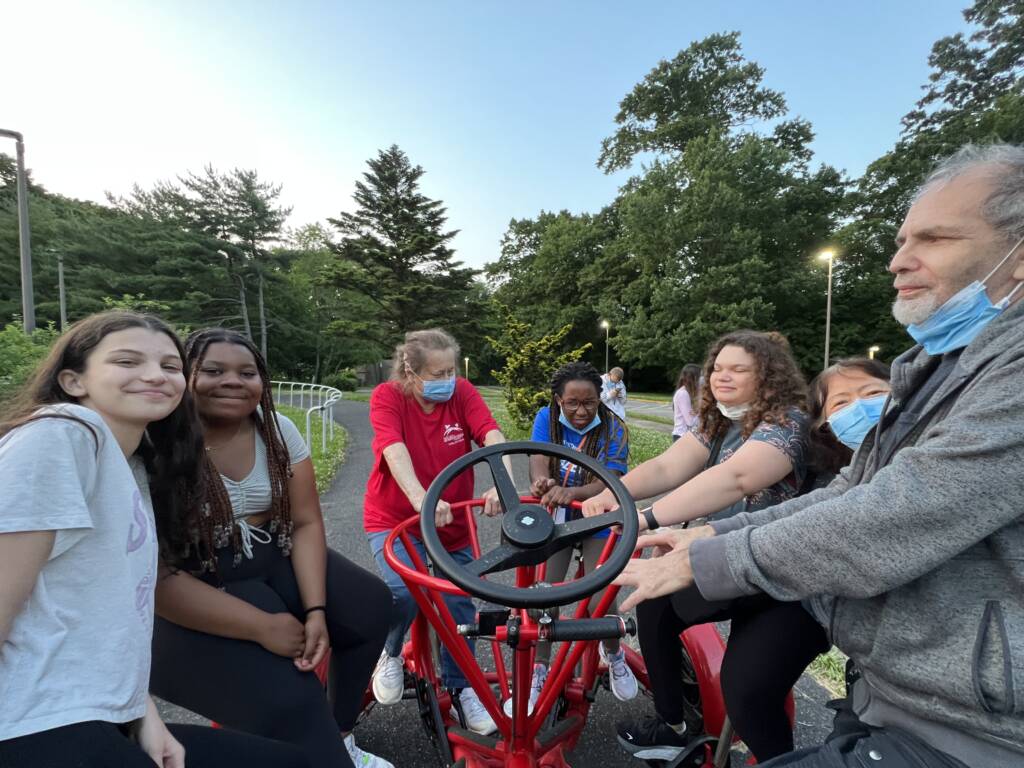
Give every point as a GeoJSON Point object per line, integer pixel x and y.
{"type": "Point", "coordinates": [770, 645]}
{"type": "Point", "coordinates": [102, 745]}
{"type": "Point", "coordinates": [241, 685]}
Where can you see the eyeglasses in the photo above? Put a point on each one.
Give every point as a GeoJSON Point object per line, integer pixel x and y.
{"type": "Point", "coordinates": [575, 405]}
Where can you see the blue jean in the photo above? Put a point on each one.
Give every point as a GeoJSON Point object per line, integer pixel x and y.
{"type": "Point", "coordinates": [462, 609]}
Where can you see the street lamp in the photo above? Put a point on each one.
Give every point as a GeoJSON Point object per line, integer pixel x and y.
{"type": "Point", "coordinates": [872, 350]}
{"type": "Point", "coordinates": [607, 331]}
{"type": "Point", "coordinates": [467, 369]}
{"type": "Point", "coordinates": [28, 307]}
{"type": "Point", "coordinates": [830, 256]}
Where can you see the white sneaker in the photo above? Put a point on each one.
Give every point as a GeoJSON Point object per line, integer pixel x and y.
{"type": "Point", "coordinates": [540, 675]}
{"type": "Point", "coordinates": [361, 759]}
{"type": "Point", "coordinates": [389, 679]}
{"type": "Point", "coordinates": [620, 676]}
{"type": "Point", "coordinates": [478, 719]}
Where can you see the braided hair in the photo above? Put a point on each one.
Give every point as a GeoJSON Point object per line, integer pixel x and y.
{"type": "Point", "coordinates": [212, 524]}
{"type": "Point", "coordinates": [609, 427]}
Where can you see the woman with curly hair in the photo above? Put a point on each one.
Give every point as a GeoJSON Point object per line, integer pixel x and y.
{"type": "Point", "coordinates": [747, 451]}
{"type": "Point", "coordinates": [250, 598]}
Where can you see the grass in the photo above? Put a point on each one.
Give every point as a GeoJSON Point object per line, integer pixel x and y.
{"type": "Point", "coordinates": [325, 463]}
{"type": "Point", "coordinates": [659, 397]}
{"type": "Point", "coordinates": [642, 416]}
{"type": "Point", "coordinates": [829, 669]}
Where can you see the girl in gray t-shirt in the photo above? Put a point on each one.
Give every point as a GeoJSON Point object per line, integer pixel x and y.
{"type": "Point", "coordinates": [104, 420]}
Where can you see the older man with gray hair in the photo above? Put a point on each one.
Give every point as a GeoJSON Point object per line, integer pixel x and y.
{"type": "Point", "coordinates": [913, 559]}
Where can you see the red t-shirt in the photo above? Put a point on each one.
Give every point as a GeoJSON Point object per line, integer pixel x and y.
{"type": "Point", "coordinates": [434, 440]}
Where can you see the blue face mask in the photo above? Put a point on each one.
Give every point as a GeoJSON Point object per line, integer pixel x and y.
{"type": "Point", "coordinates": [851, 423]}
{"type": "Point", "coordinates": [596, 422]}
{"type": "Point", "coordinates": [956, 323]}
{"type": "Point", "coordinates": [439, 391]}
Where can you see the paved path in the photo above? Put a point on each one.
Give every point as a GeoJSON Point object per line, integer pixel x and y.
{"type": "Point", "coordinates": [395, 732]}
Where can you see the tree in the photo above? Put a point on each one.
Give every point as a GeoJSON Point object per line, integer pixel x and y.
{"type": "Point", "coordinates": [394, 252]}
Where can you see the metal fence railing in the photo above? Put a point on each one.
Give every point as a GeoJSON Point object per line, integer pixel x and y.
{"type": "Point", "coordinates": [311, 397]}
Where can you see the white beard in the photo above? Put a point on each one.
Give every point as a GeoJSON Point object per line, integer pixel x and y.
{"type": "Point", "coordinates": [914, 311]}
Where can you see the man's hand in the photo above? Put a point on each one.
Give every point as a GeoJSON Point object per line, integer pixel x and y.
{"type": "Point", "coordinates": [667, 571]}
{"type": "Point", "coordinates": [317, 642]}
{"type": "Point", "coordinates": [157, 742]}
{"type": "Point", "coordinates": [492, 504]}
{"type": "Point", "coordinates": [598, 505]}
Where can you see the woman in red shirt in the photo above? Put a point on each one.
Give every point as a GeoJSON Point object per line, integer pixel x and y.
{"type": "Point", "coordinates": [423, 419]}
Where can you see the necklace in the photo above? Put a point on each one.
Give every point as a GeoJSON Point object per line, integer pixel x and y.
{"type": "Point", "coordinates": [211, 448]}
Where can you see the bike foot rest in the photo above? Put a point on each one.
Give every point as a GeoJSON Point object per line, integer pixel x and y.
{"type": "Point", "coordinates": [490, 742]}
{"type": "Point", "coordinates": [547, 737]}
{"type": "Point", "coordinates": [693, 748]}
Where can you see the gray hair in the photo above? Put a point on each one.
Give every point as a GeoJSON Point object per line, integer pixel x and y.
{"type": "Point", "coordinates": [412, 354]}
{"type": "Point", "coordinates": [1004, 208]}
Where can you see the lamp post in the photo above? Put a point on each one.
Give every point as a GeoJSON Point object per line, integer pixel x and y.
{"type": "Point", "coordinates": [872, 351]}
{"type": "Point", "coordinates": [607, 332]}
{"type": "Point", "coordinates": [830, 256]}
{"type": "Point", "coordinates": [467, 369]}
{"type": "Point", "coordinates": [28, 307]}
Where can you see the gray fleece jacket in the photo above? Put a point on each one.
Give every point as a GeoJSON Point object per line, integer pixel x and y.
{"type": "Point", "coordinates": [917, 567]}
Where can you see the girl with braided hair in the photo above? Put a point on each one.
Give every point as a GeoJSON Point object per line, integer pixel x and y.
{"type": "Point", "coordinates": [98, 461]}
{"type": "Point", "coordinates": [578, 418]}
{"type": "Point", "coordinates": [251, 598]}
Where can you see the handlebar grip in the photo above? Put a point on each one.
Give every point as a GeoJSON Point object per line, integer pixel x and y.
{"type": "Point", "coordinates": [607, 628]}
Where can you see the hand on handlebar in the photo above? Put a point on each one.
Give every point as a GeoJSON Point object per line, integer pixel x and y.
{"type": "Point", "coordinates": [558, 496]}
{"type": "Point", "coordinates": [492, 504]}
{"type": "Point", "coordinates": [598, 505]}
{"type": "Point", "coordinates": [542, 485]}
{"type": "Point", "coordinates": [442, 515]}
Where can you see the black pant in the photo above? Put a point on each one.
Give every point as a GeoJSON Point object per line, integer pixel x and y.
{"type": "Point", "coordinates": [770, 645]}
{"type": "Point", "coordinates": [242, 685]}
{"type": "Point", "coordinates": [103, 745]}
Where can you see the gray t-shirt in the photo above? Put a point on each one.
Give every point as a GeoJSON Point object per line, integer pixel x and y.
{"type": "Point", "coordinates": [79, 650]}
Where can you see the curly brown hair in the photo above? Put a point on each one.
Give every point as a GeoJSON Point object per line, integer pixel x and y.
{"type": "Point", "coordinates": [780, 385]}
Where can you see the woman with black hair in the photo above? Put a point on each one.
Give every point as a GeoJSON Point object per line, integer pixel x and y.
{"type": "Point", "coordinates": [577, 418]}
{"type": "Point", "coordinates": [250, 598]}
{"type": "Point", "coordinates": [99, 457]}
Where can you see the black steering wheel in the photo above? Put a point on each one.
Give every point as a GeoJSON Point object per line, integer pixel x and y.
{"type": "Point", "coordinates": [529, 536]}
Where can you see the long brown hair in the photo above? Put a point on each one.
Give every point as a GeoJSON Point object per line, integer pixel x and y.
{"type": "Point", "coordinates": [689, 379]}
{"type": "Point", "coordinates": [780, 385]}
{"type": "Point", "coordinates": [211, 524]}
{"type": "Point", "coordinates": [828, 455]}
{"type": "Point", "coordinates": [171, 447]}
{"type": "Point", "coordinates": [609, 427]}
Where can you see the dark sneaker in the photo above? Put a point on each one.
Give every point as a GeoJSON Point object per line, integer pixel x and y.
{"type": "Point", "coordinates": [651, 738]}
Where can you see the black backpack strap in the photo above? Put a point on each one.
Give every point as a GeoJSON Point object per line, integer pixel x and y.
{"type": "Point", "coordinates": [716, 449]}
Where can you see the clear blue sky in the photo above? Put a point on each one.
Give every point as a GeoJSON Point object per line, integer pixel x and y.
{"type": "Point", "coordinates": [503, 104]}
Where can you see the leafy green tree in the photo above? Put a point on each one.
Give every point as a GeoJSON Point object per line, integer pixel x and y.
{"type": "Point", "coordinates": [20, 353]}
{"type": "Point", "coordinates": [530, 361]}
{"type": "Point", "coordinates": [394, 252]}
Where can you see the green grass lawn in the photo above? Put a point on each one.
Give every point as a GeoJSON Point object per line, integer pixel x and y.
{"type": "Point", "coordinates": [642, 416]}
{"type": "Point", "coordinates": [659, 397]}
{"type": "Point", "coordinates": [325, 463]}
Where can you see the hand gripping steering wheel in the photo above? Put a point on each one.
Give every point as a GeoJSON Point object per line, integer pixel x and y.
{"type": "Point", "coordinates": [529, 535]}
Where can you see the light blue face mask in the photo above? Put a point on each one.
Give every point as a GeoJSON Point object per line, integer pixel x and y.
{"type": "Point", "coordinates": [440, 391]}
{"type": "Point", "coordinates": [595, 422]}
{"type": "Point", "coordinates": [851, 423]}
{"type": "Point", "coordinates": [956, 323]}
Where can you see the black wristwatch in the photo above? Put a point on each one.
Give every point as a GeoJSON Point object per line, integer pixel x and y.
{"type": "Point", "coordinates": [648, 513]}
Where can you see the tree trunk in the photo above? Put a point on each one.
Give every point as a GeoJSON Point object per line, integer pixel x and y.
{"type": "Point", "coordinates": [244, 306]}
{"type": "Point", "coordinates": [263, 321]}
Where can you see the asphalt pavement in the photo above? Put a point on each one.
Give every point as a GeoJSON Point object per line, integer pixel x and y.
{"type": "Point", "coordinates": [395, 732]}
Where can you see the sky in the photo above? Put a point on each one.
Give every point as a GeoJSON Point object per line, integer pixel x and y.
{"type": "Point", "coordinates": [504, 105]}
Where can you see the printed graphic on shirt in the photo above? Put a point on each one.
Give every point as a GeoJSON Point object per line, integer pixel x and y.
{"type": "Point", "coordinates": [453, 434]}
{"type": "Point", "coordinates": [141, 530]}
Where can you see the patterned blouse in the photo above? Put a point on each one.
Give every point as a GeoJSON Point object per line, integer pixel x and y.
{"type": "Point", "coordinates": [789, 437]}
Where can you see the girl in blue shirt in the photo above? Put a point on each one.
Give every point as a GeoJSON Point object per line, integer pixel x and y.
{"type": "Point", "coordinates": [577, 418]}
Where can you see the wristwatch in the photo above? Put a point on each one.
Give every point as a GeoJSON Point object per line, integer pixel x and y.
{"type": "Point", "coordinates": [648, 513]}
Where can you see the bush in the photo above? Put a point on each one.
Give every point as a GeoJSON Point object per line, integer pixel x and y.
{"type": "Point", "coordinates": [529, 365]}
{"type": "Point", "coordinates": [345, 380]}
{"type": "Point", "coordinates": [20, 353]}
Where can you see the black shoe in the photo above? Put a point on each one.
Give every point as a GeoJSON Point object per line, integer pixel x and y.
{"type": "Point", "coordinates": [651, 738]}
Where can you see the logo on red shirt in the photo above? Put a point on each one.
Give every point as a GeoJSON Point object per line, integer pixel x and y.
{"type": "Point", "coordinates": [453, 434]}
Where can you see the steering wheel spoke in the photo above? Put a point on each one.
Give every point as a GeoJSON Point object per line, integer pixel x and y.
{"type": "Point", "coordinates": [500, 558]}
{"type": "Point", "coordinates": [577, 530]}
{"type": "Point", "coordinates": [506, 488]}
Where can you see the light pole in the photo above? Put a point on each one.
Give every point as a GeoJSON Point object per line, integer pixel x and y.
{"type": "Point", "coordinates": [607, 332]}
{"type": "Point", "coordinates": [872, 351]}
{"type": "Point", "coordinates": [830, 256]}
{"type": "Point", "coordinates": [467, 369]}
{"type": "Point", "coordinates": [28, 307]}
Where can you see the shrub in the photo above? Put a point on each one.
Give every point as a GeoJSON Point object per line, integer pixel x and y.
{"type": "Point", "coordinates": [20, 353]}
{"type": "Point", "coordinates": [345, 380]}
